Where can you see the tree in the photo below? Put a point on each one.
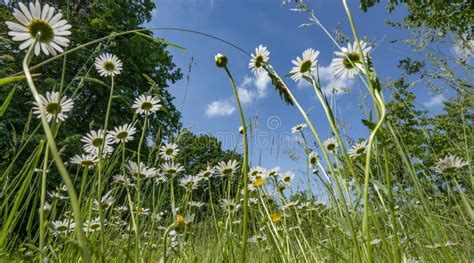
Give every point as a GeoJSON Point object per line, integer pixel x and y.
{"type": "Point", "coordinates": [141, 56]}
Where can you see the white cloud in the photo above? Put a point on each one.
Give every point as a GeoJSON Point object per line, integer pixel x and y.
{"type": "Point", "coordinates": [253, 88]}
{"type": "Point", "coordinates": [220, 108]}
{"type": "Point", "coordinates": [329, 83]}
{"type": "Point", "coordinates": [435, 101]}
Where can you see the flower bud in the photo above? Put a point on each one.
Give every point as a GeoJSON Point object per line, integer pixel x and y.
{"type": "Point", "coordinates": [221, 60]}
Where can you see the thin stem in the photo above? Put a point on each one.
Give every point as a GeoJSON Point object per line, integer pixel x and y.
{"type": "Point", "coordinates": [56, 157]}
{"type": "Point", "coordinates": [43, 200]}
{"type": "Point", "coordinates": [243, 253]}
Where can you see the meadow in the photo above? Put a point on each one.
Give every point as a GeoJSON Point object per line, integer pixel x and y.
{"type": "Point", "coordinates": [124, 188]}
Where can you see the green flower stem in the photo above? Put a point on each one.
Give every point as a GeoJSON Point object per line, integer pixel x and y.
{"type": "Point", "coordinates": [56, 157]}
{"type": "Point", "coordinates": [332, 123]}
{"type": "Point", "coordinates": [380, 109]}
{"type": "Point", "coordinates": [42, 202]}
{"type": "Point", "coordinates": [213, 211]}
{"type": "Point", "coordinates": [139, 206]}
{"type": "Point", "coordinates": [99, 180]}
{"type": "Point", "coordinates": [243, 253]}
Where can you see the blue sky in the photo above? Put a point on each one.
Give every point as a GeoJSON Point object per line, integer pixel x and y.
{"type": "Point", "coordinates": [207, 104]}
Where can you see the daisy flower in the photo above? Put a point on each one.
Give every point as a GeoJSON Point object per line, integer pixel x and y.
{"type": "Point", "coordinates": [207, 173]}
{"type": "Point", "coordinates": [146, 104]}
{"type": "Point", "coordinates": [106, 201]}
{"type": "Point", "coordinates": [108, 65]}
{"type": "Point", "coordinates": [94, 140]}
{"type": "Point", "coordinates": [85, 160]}
{"type": "Point", "coordinates": [169, 151]}
{"type": "Point", "coordinates": [189, 182]}
{"type": "Point", "coordinates": [54, 106]}
{"type": "Point", "coordinates": [298, 127]}
{"type": "Point", "coordinates": [449, 164]}
{"type": "Point", "coordinates": [62, 227]}
{"type": "Point", "coordinates": [122, 133]}
{"type": "Point", "coordinates": [330, 144]}
{"type": "Point", "coordinates": [259, 59]}
{"type": "Point", "coordinates": [172, 169]}
{"type": "Point", "coordinates": [39, 20]}
{"type": "Point", "coordinates": [227, 169]}
{"type": "Point", "coordinates": [142, 211]}
{"type": "Point", "coordinates": [273, 172]}
{"type": "Point", "coordinates": [122, 180]}
{"type": "Point", "coordinates": [287, 177]}
{"type": "Point", "coordinates": [229, 205]}
{"type": "Point", "coordinates": [358, 149]}
{"type": "Point", "coordinates": [196, 204]}
{"type": "Point", "coordinates": [92, 225]}
{"type": "Point", "coordinates": [348, 61]}
{"type": "Point", "coordinates": [140, 171]}
{"type": "Point", "coordinates": [256, 171]}
{"type": "Point", "coordinates": [313, 158]}
{"type": "Point", "coordinates": [304, 67]}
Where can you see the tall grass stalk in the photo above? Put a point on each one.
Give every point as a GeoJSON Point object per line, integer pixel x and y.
{"type": "Point", "coordinates": [55, 154]}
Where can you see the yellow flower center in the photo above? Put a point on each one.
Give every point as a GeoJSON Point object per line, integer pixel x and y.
{"type": "Point", "coordinates": [306, 66]}
{"type": "Point", "coordinates": [351, 59]}
{"type": "Point", "coordinates": [109, 66]}
{"type": "Point", "coordinates": [122, 135]}
{"type": "Point", "coordinates": [40, 26]}
{"type": "Point", "coordinates": [276, 217]}
{"type": "Point", "coordinates": [53, 108]}
{"type": "Point", "coordinates": [258, 182]}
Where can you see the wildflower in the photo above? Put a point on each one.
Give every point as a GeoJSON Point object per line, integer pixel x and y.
{"type": "Point", "coordinates": [180, 219]}
{"type": "Point", "coordinates": [46, 207]}
{"type": "Point", "coordinates": [189, 182]}
{"type": "Point", "coordinates": [106, 201]}
{"type": "Point", "coordinates": [283, 185]}
{"type": "Point", "coordinates": [57, 195]}
{"type": "Point", "coordinates": [122, 179]}
{"type": "Point", "coordinates": [358, 149]}
{"type": "Point", "coordinates": [206, 173]}
{"type": "Point", "coordinates": [221, 60]}
{"type": "Point", "coordinates": [227, 169]}
{"type": "Point", "coordinates": [348, 61]}
{"type": "Point", "coordinates": [142, 210]}
{"type": "Point", "coordinates": [92, 225]}
{"type": "Point", "coordinates": [273, 172]}
{"type": "Point", "coordinates": [108, 65]}
{"type": "Point", "coordinates": [313, 158]}
{"type": "Point", "coordinates": [55, 107]}
{"type": "Point", "coordinates": [95, 140]}
{"type": "Point", "coordinates": [171, 168]}
{"type": "Point", "coordinates": [62, 227]}
{"type": "Point", "coordinates": [229, 205]}
{"type": "Point", "coordinates": [189, 219]}
{"type": "Point", "coordinates": [140, 171]}
{"type": "Point", "coordinates": [287, 177]}
{"type": "Point", "coordinates": [85, 160]}
{"type": "Point", "coordinates": [449, 164]}
{"type": "Point", "coordinates": [122, 133]}
{"type": "Point", "coordinates": [257, 238]}
{"type": "Point", "coordinates": [304, 67]}
{"type": "Point", "coordinates": [241, 130]}
{"type": "Point", "coordinates": [169, 151]}
{"type": "Point", "coordinates": [298, 127]}
{"type": "Point", "coordinates": [146, 104]}
{"type": "Point", "coordinates": [276, 217]}
{"type": "Point", "coordinates": [375, 241]}
{"type": "Point", "coordinates": [44, 21]}
{"type": "Point", "coordinates": [259, 59]}
{"type": "Point", "coordinates": [196, 204]}
{"type": "Point", "coordinates": [257, 176]}
{"type": "Point", "coordinates": [330, 144]}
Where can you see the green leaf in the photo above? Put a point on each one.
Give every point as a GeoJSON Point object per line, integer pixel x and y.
{"type": "Point", "coordinates": [7, 101]}
{"type": "Point", "coordinates": [162, 41]}
{"type": "Point", "coordinates": [9, 80]}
